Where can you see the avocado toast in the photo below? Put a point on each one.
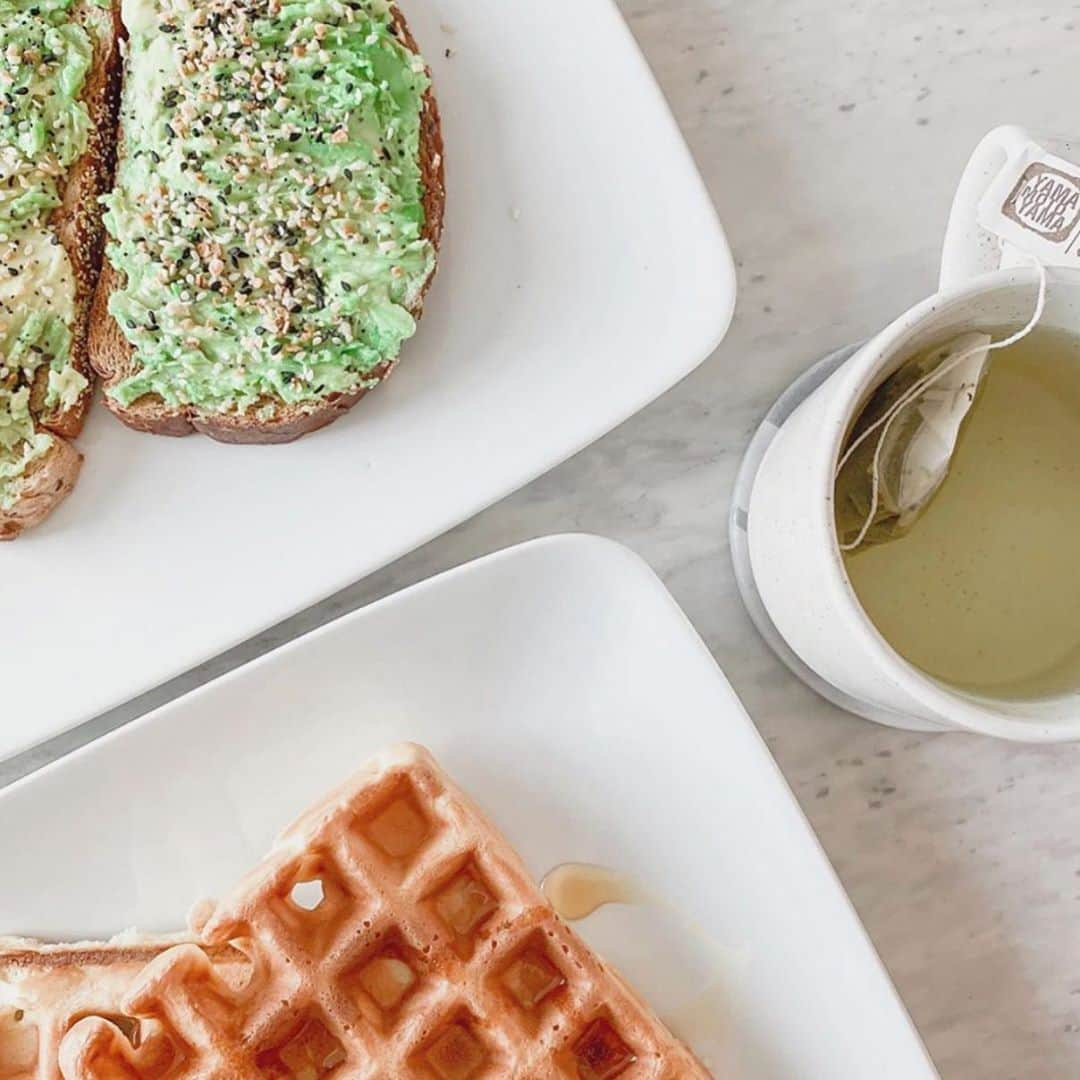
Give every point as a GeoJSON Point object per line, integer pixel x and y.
{"type": "Point", "coordinates": [59, 69]}
{"type": "Point", "coordinates": [275, 218]}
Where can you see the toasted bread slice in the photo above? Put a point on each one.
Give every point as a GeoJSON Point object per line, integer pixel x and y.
{"type": "Point", "coordinates": [269, 419]}
{"type": "Point", "coordinates": [49, 473]}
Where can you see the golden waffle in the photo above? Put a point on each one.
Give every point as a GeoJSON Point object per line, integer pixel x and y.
{"type": "Point", "coordinates": [393, 933]}
{"type": "Point", "coordinates": [45, 989]}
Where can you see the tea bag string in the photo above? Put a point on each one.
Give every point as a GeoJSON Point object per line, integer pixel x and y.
{"type": "Point", "coordinates": [885, 421]}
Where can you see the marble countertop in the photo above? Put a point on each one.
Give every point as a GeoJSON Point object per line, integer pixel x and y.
{"type": "Point", "coordinates": [831, 137]}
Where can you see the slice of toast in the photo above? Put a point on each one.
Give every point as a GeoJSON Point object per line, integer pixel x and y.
{"type": "Point", "coordinates": [42, 469]}
{"type": "Point", "coordinates": [269, 418]}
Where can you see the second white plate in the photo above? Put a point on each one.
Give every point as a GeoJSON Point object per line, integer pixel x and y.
{"type": "Point", "coordinates": [562, 686]}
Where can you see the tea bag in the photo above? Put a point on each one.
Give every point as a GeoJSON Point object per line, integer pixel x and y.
{"type": "Point", "coordinates": [904, 440]}
{"type": "Point", "coordinates": [914, 451]}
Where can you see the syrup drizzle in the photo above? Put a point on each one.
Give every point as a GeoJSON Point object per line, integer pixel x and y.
{"type": "Point", "coordinates": [576, 890]}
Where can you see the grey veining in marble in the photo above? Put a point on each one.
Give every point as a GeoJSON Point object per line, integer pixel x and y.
{"type": "Point", "coordinates": [831, 135]}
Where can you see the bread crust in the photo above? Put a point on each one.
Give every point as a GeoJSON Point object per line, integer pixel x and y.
{"type": "Point", "coordinates": [77, 223]}
{"type": "Point", "coordinates": [47, 481]}
{"type": "Point", "coordinates": [113, 356]}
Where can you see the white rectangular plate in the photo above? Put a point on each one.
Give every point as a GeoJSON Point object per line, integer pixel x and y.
{"type": "Point", "coordinates": [583, 273]}
{"type": "Point", "coordinates": [561, 685]}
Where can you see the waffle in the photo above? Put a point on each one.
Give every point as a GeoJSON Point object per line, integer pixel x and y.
{"type": "Point", "coordinates": [45, 989]}
{"type": "Point", "coordinates": [392, 933]}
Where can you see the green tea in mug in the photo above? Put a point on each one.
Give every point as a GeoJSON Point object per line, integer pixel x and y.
{"type": "Point", "coordinates": [982, 589]}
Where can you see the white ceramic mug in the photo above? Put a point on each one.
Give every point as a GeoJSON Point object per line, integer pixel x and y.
{"type": "Point", "coordinates": [793, 549]}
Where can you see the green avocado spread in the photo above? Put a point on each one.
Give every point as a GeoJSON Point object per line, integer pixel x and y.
{"type": "Point", "coordinates": [44, 58]}
{"type": "Point", "coordinates": [267, 216]}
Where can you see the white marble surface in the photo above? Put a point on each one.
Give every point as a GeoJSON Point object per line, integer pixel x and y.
{"type": "Point", "coordinates": [831, 136]}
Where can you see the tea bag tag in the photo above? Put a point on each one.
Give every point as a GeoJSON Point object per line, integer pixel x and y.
{"type": "Point", "coordinates": [1033, 207]}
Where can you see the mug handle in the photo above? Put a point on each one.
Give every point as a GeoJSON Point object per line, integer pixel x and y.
{"type": "Point", "coordinates": [969, 250]}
